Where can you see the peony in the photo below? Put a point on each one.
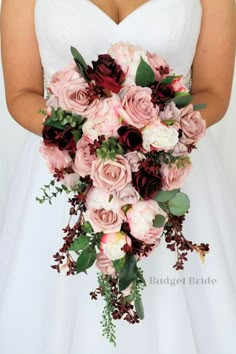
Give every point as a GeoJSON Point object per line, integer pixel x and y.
{"type": "Point", "coordinates": [63, 139]}
{"type": "Point", "coordinates": [158, 136]}
{"type": "Point", "coordinates": [192, 125]}
{"type": "Point", "coordinates": [147, 184]}
{"type": "Point", "coordinates": [98, 199]}
{"type": "Point", "coordinates": [128, 195]}
{"type": "Point", "coordinates": [173, 177]}
{"type": "Point", "coordinates": [128, 57]}
{"type": "Point", "coordinates": [54, 157]}
{"type": "Point", "coordinates": [138, 109]}
{"type": "Point", "coordinates": [131, 137]}
{"type": "Point", "coordinates": [104, 264]}
{"type": "Point", "coordinates": [112, 243]}
{"type": "Point", "coordinates": [105, 120]}
{"type": "Point", "coordinates": [111, 175]}
{"type": "Point", "coordinates": [63, 78]}
{"type": "Point", "coordinates": [78, 98]}
{"type": "Point", "coordinates": [159, 66]}
{"type": "Point", "coordinates": [106, 73]}
{"type": "Point", "coordinates": [140, 218]}
{"type": "Point", "coordinates": [83, 157]}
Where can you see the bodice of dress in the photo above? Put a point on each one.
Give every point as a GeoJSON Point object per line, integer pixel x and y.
{"type": "Point", "coordinates": [167, 27]}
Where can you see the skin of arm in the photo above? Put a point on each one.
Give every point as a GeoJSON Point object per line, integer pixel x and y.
{"type": "Point", "coordinates": [23, 75]}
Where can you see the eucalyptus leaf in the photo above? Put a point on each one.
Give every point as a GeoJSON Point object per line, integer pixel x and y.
{"type": "Point", "coordinates": [181, 101]}
{"type": "Point", "coordinates": [198, 107]}
{"type": "Point", "coordinates": [159, 221]}
{"type": "Point", "coordinates": [86, 259]}
{"type": "Point", "coordinates": [77, 135]}
{"type": "Point", "coordinates": [180, 204]}
{"type": "Point", "coordinates": [164, 207]}
{"type": "Point", "coordinates": [165, 196]}
{"type": "Point", "coordinates": [144, 75]}
{"type": "Point", "coordinates": [79, 58]}
{"type": "Point", "coordinates": [79, 243]}
{"type": "Point", "coordinates": [129, 272]}
{"type": "Point", "coordinates": [139, 308]}
{"type": "Point", "coordinates": [56, 125]}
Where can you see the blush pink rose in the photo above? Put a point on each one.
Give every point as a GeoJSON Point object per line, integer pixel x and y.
{"type": "Point", "coordinates": [138, 109]}
{"type": "Point", "coordinates": [105, 119]}
{"type": "Point", "coordinates": [83, 158]}
{"type": "Point", "coordinates": [134, 159]}
{"type": "Point", "coordinates": [192, 124]}
{"type": "Point", "coordinates": [128, 195]}
{"type": "Point", "coordinates": [103, 220]}
{"type": "Point", "coordinates": [104, 264]}
{"type": "Point", "coordinates": [112, 243]}
{"type": "Point", "coordinates": [159, 66]}
{"type": "Point", "coordinates": [174, 177]}
{"type": "Point", "coordinates": [140, 218]}
{"type": "Point", "coordinates": [77, 98]}
{"type": "Point", "coordinates": [63, 78]}
{"type": "Point", "coordinates": [111, 175]}
{"type": "Point", "coordinates": [55, 158]}
{"type": "Point", "coordinates": [128, 57]}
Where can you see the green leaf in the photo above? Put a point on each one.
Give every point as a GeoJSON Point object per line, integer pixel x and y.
{"type": "Point", "coordinates": [78, 58]}
{"type": "Point", "coordinates": [128, 273]}
{"type": "Point", "coordinates": [159, 221]}
{"type": "Point", "coordinates": [118, 264]}
{"type": "Point", "coordinates": [165, 196]}
{"type": "Point", "coordinates": [79, 243]}
{"type": "Point", "coordinates": [144, 75]}
{"type": "Point", "coordinates": [180, 204]}
{"type": "Point", "coordinates": [181, 93]}
{"type": "Point", "coordinates": [168, 80]}
{"type": "Point", "coordinates": [86, 259]}
{"type": "Point", "coordinates": [139, 308]}
{"type": "Point", "coordinates": [87, 228]}
{"type": "Point", "coordinates": [56, 125]}
{"type": "Point", "coordinates": [198, 107]}
{"type": "Point", "coordinates": [181, 101]}
{"type": "Point", "coordinates": [164, 207]}
{"type": "Point", "coordinates": [77, 135]}
{"type": "Point", "coordinates": [169, 122]}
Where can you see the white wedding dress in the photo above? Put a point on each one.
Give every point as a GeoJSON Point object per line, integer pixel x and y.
{"type": "Point", "coordinates": [42, 312]}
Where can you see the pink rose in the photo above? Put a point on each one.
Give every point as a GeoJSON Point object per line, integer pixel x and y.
{"type": "Point", "coordinates": [62, 78]}
{"type": "Point", "coordinates": [83, 157]}
{"type": "Point", "coordinates": [52, 102]}
{"type": "Point", "coordinates": [192, 125]}
{"type": "Point", "coordinates": [140, 218]}
{"type": "Point", "coordinates": [103, 220]}
{"type": "Point", "coordinates": [54, 157]}
{"type": "Point", "coordinates": [128, 195]}
{"type": "Point", "coordinates": [111, 175]}
{"type": "Point", "coordinates": [104, 264]}
{"type": "Point", "coordinates": [180, 149]}
{"type": "Point", "coordinates": [173, 177]}
{"type": "Point", "coordinates": [105, 119]}
{"type": "Point", "coordinates": [159, 66]}
{"type": "Point", "coordinates": [138, 109]}
{"type": "Point", "coordinates": [77, 98]}
{"type": "Point", "coordinates": [170, 112]}
{"type": "Point", "coordinates": [112, 243]}
{"type": "Point", "coordinates": [128, 57]}
{"type": "Point", "coordinates": [134, 159]}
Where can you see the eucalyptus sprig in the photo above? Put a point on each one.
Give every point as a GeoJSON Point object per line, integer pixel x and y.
{"type": "Point", "coordinates": [59, 118]}
{"type": "Point", "coordinates": [51, 191]}
{"type": "Point", "coordinates": [109, 149]}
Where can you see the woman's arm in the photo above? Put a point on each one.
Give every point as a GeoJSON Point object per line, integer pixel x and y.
{"type": "Point", "coordinates": [22, 67]}
{"type": "Point", "coordinates": [213, 64]}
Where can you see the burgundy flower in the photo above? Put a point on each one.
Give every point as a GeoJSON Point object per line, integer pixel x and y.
{"type": "Point", "coordinates": [162, 93]}
{"type": "Point", "coordinates": [131, 137]}
{"type": "Point", "coordinates": [147, 184]}
{"type": "Point", "coordinates": [63, 139]}
{"type": "Point", "coordinates": [106, 73]}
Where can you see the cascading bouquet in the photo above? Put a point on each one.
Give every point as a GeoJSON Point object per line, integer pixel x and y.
{"type": "Point", "coordinates": [117, 138]}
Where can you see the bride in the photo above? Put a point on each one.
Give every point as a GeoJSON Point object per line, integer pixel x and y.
{"type": "Point", "coordinates": [188, 312]}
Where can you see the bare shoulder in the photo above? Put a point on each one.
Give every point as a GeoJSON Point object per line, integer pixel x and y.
{"type": "Point", "coordinates": [20, 53]}
{"type": "Point", "coordinates": [215, 54]}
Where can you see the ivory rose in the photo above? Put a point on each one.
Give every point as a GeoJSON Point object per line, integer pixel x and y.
{"type": "Point", "coordinates": [192, 125]}
{"type": "Point", "coordinates": [104, 264]}
{"type": "Point", "coordinates": [128, 57]}
{"type": "Point", "coordinates": [83, 158]}
{"type": "Point", "coordinates": [111, 175]}
{"type": "Point", "coordinates": [140, 218]}
{"type": "Point", "coordinates": [112, 243]}
{"type": "Point", "coordinates": [159, 66]}
{"type": "Point", "coordinates": [174, 177]}
{"type": "Point", "coordinates": [105, 119]}
{"type": "Point", "coordinates": [128, 195]}
{"type": "Point", "coordinates": [138, 109]}
{"type": "Point", "coordinates": [63, 78]}
{"type": "Point", "coordinates": [158, 136]}
{"type": "Point", "coordinates": [76, 97]}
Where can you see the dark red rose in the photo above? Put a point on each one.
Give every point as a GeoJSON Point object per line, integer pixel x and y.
{"type": "Point", "coordinates": [131, 137]}
{"type": "Point", "coordinates": [106, 73]}
{"type": "Point", "coordinates": [63, 139]}
{"type": "Point", "coordinates": [147, 184]}
{"type": "Point", "coordinates": [162, 93]}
